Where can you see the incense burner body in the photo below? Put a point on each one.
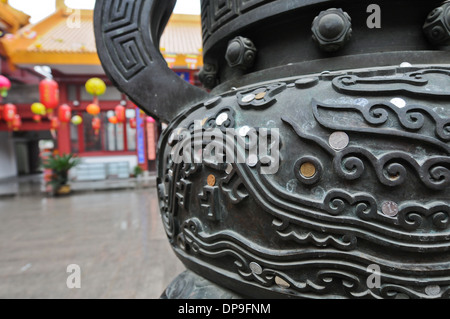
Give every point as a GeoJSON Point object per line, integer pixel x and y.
{"type": "Point", "coordinates": [317, 163]}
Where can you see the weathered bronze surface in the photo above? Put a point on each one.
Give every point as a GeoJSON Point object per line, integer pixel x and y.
{"type": "Point", "coordinates": [363, 119]}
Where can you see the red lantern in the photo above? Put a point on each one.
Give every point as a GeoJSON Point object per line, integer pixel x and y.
{"type": "Point", "coordinates": [113, 120]}
{"type": "Point", "coordinates": [37, 118]}
{"type": "Point", "coordinates": [5, 85]}
{"type": "Point", "coordinates": [96, 125]}
{"type": "Point", "coordinates": [133, 123]}
{"type": "Point", "coordinates": [54, 125]}
{"type": "Point", "coordinates": [49, 92]}
{"type": "Point", "coordinates": [17, 122]}
{"type": "Point", "coordinates": [121, 113]}
{"type": "Point", "coordinates": [64, 113]}
{"type": "Point", "coordinates": [93, 109]}
{"type": "Point", "coordinates": [9, 112]}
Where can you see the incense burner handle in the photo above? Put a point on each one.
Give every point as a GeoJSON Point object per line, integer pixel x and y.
{"type": "Point", "coordinates": [127, 35]}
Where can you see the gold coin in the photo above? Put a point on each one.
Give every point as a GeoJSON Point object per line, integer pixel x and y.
{"type": "Point", "coordinates": [211, 180]}
{"type": "Point", "coordinates": [260, 96]}
{"type": "Point", "coordinates": [308, 170]}
{"type": "Point", "coordinates": [282, 283]}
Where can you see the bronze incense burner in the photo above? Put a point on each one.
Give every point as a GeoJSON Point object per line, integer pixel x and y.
{"type": "Point", "coordinates": [350, 197]}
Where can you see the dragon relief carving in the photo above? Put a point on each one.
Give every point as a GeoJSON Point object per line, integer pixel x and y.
{"type": "Point", "coordinates": [334, 223]}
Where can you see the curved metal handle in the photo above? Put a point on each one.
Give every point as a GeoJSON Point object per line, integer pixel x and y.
{"type": "Point", "coordinates": [127, 35]}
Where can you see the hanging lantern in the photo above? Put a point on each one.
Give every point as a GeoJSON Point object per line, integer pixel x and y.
{"type": "Point", "coordinates": [96, 125]}
{"type": "Point", "coordinates": [77, 120]}
{"type": "Point", "coordinates": [9, 112]}
{"type": "Point", "coordinates": [5, 85]}
{"type": "Point", "coordinates": [64, 113]}
{"type": "Point", "coordinates": [95, 87]}
{"type": "Point", "coordinates": [133, 123]}
{"type": "Point", "coordinates": [37, 118]}
{"type": "Point", "coordinates": [54, 125]}
{"type": "Point", "coordinates": [120, 113]}
{"type": "Point", "coordinates": [113, 120]}
{"type": "Point", "coordinates": [49, 92]}
{"type": "Point", "coordinates": [1, 112]}
{"type": "Point", "coordinates": [93, 109]}
{"type": "Point", "coordinates": [38, 109]}
{"type": "Point", "coordinates": [17, 122]}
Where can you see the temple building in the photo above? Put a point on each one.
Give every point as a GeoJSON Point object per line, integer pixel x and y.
{"type": "Point", "coordinates": [62, 47]}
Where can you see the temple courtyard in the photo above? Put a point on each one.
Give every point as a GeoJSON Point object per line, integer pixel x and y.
{"type": "Point", "coordinates": [96, 244]}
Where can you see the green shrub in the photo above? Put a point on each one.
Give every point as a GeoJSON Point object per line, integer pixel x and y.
{"type": "Point", "coordinates": [60, 166]}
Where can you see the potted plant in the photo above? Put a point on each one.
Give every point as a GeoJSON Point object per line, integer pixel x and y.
{"type": "Point", "coordinates": [60, 166]}
{"type": "Point", "coordinates": [137, 171]}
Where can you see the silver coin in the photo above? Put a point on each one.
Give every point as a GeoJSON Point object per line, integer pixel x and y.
{"type": "Point", "coordinates": [256, 268]}
{"type": "Point", "coordinates": [248, 98]}
{"type": "Point", "coordinates": [222, 118]}
{"type": "Point", "coordinates": [339, 140]}
{"type": "Point", "coordinates": [390, 209]}
{"type": "Point", "coordinates": [244, 130]}
{"type": "Point", "coordinates": [433, 290]}
{"type": "Point", "coordinates": [398, 102]}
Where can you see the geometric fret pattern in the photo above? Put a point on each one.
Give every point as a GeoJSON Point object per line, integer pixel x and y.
{"type": "Point", "coordinates": [123, 38]}
{"type": "Point", "coordinates": [217, 13]}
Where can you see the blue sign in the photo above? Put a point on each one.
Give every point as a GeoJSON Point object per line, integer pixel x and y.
{"type": "Point", "coordinates": [140, 132]}
{"type": "Point", "coordinates": [184, 75]}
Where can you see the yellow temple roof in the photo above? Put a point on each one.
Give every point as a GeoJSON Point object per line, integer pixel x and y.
{"type": "Point", "coordinates": [67, 38]}
{"type": "Point", "coordinates": [11, 19]}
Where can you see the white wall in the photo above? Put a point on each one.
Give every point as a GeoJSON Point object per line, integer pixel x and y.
{"type": "Point", "coordinates": [131, 159]}
{"type": "Point", "coordinates": [8, 165]}
{"type": "Point", "coordinates": [100, 173]}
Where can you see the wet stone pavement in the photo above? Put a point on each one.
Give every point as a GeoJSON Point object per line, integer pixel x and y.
{"type": "Point", "coordinates": [115, 237]}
